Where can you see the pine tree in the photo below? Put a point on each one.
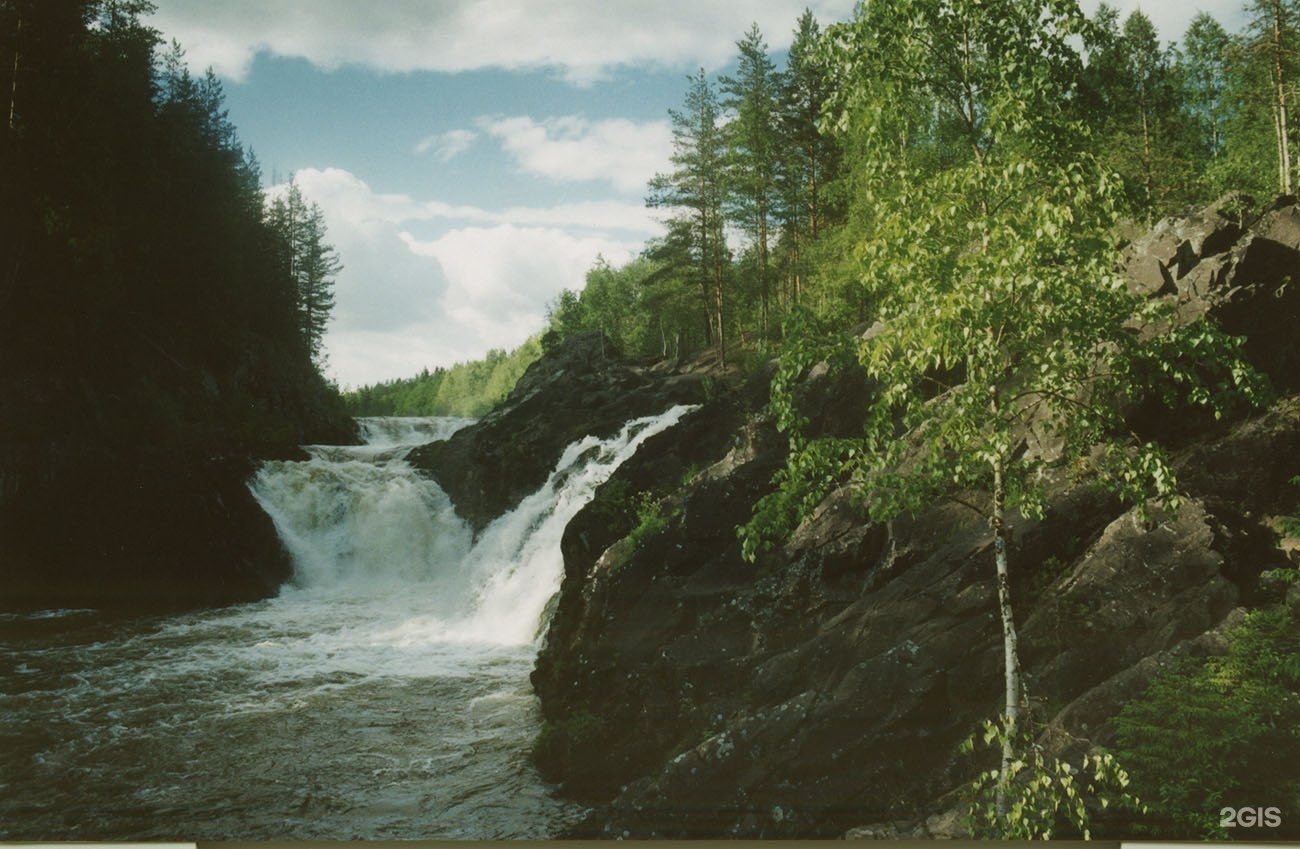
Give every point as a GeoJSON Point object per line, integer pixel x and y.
{"type": "Point", "coordinates": [811, 156]}
{"type": "Point", "coordinates": [320, 266]}
{"type": "Point", "coordinates": [307, 260]}
{"type": "Point", "coordinates": [695, 191]}
{"type": "Point", "coordinates": [754, 150]}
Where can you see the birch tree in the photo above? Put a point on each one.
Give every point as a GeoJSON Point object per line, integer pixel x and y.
{"type": "Point", "coordinates": [986, 239]}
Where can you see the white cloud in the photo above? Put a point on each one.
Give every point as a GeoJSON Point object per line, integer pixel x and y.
{"type": "Point", "coordinates": [622, 152]}
{"type": "Point", "coordinates": [349, 202]}
{"type": "Point", "coordinates": [582, 39]}
{"type": "Point", "coordinates": [501, 278]}
{"type": "Point", "coordinates": [407, 302]}
{"type": "Point", "coordinates": [447, 146]}
{"type": "Point", "coordinates": [594, 215]}
{"type": "Point", "coordinates": [361, 357]}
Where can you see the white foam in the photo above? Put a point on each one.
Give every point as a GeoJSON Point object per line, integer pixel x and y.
{"type": "Point", "coordinates": [383, 544]}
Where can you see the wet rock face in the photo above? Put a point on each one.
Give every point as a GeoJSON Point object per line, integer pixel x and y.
{"type": "Point", "coordinates": [584, 388]}
{"type": "Point", "coordinates": [690, 694]}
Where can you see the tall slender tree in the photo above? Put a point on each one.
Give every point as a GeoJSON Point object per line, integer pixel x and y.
{"type": "Point", "coordinates": [811, 156]}
{"type": "Point", "coordinates": [695, 192]}
{"type": "Point", "coordinates": [308, 260]}
{"type": "Point", "coordinates": [1132, 100]}
{"type": "Point", "coordinates": [1272, 34]}
{"type": "Point", "coordinates": [754, 153]}
{"type": "Point", "coordinates": [320, 267]}
{"type": "Point", "coordinates": [1148, 69]}
{"type": "Point", "coordinates": [1203, 75]}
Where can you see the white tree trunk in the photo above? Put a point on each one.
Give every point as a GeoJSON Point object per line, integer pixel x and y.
{"type": "Point", "coordinates": [1010, 651]}
{"type": "Point", "coordinates": [1283, 143]}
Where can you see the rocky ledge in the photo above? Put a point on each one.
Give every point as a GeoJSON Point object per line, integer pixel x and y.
{"type": "Point", "coordinates": [585, 387]}
{"type": "Point", "coordinates": [687, 693]}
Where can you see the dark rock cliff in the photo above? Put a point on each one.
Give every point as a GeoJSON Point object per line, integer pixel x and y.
{"type": "Point", "coordinates": [688, 693]}
{"type": "Point", "coordinates": [584, 388]}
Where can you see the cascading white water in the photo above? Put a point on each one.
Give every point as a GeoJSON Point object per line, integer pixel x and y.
{"type": "Point", "coordinates": [360, 521]}
{"type": "Point", "coordinates": [363, 523]}
{"type": "Point", "coordinates": [382, 695]}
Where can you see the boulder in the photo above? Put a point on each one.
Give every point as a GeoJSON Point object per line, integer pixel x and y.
{"type": "Point", "coordinates": [140, 532]}
{"type": "Point", "coordinates": [1157, 260]}
{"type": "Point", "coordinates": [1234, 268]}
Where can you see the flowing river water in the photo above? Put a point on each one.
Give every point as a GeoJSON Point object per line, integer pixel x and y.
{"type": "Point", "coordinates": [383, 694]}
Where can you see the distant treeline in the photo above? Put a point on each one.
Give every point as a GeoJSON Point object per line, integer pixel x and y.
{"type": "Point", "coordinates": [466, 389]}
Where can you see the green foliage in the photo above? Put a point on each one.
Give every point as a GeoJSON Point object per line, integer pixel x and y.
{"type": "Point", "coordinates": [1202, 69]}
{"type": "Point", "coordinates": [1248, 159]}
{"type": "Point", "coordinates": [981, 234]}
{"type": "Point", "coordinates": [1221, 731]}
{"type": "Point", "coordinates": [651, 517]}
{"type": "Point", "coordinates": [816, 466]}
{"type": "Point", "coordinates": [1291, 524]}
{"type": "Point", "coordinates": [1134, 98]}
{"type": "Point", "coordinates": [992, 273]}
{"type": "Point", "coordinates": [696, 190]}
{"type": "Point", "coordinates": [1048, 797]}
{"type": "Point", "coordinates": [644, 307]}
{"type": "Point", "coordinates": [469, 389]}
{"type": "Point", "coordinates": [611, 503]}
{"type": "Point", "coordinates": [754, 148]}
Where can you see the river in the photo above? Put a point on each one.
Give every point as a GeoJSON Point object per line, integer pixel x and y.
{"type": "Point", "coordinates": [383, 694]}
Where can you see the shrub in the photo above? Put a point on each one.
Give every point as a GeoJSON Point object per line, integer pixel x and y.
{"type": "Point", "coordinates": [1220, 732]}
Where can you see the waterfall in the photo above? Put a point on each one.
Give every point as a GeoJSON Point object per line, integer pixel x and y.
{"type": "Point", "coordinates": [361, 523]}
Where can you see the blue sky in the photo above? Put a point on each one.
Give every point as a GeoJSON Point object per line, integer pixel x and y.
{"type": "Point", "coordinates": [474, 157]}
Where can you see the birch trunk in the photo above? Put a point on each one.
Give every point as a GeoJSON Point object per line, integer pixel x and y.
{"type": "Point", "coordinates": [1010, 651]}
{"type": "Point", "coordinates": [1283, 145]}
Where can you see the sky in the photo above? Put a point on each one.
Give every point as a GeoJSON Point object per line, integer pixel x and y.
{"type": "Point", "coordinates": [473, 158]}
